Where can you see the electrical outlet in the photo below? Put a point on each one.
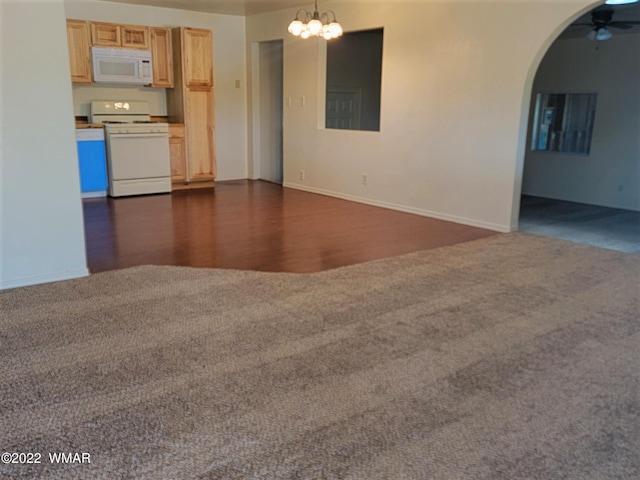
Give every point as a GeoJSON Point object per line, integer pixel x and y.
{"type": "Point", "coordinates": [301, 174]}
{"type": "Point", "coordinates": [365, 179]}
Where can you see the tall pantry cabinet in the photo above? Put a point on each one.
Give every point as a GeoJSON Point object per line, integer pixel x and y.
{"type": "Point", "coordinates": [191, 103]}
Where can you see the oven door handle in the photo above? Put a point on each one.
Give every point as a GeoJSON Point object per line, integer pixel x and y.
{"type": "Point", "coordinates": [139, 135]}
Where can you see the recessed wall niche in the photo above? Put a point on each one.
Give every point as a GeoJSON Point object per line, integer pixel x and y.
{"type": "Point", "coordinates": [354, 75]}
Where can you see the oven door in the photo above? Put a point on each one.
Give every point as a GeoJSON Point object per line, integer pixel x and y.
{"type": "Point", "coordinates": [138, 156]}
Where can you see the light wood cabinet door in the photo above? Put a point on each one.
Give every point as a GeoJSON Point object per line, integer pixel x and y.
{"type": "Point", "coordinates": [133, 36]}
{"type": "Point", "coordinates": [161, 57]}
{"type": "Point", "coordinates": [199, 128]}
{"type": "Point", "coordinates": [193, 105]}
{"type": "Point", "coordinates": [105, 35]}
{"type": "Point", "coordinates": [79, 51]}
{"type": "Point", "coordinates": [177, 153]}
{"type": "Point", "coordinates": [197, 49]}
{"type": "Point", "coordinates": [114, 35]}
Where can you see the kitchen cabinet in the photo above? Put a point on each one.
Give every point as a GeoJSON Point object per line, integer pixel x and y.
{"type": "Point", "coordinates": [199, 121]}
{"type": "Point", "coordinates": [191, 102]}
{"type": "Point", "coordinates": [105, 35]}
{"type": "Point", "coordinates": [161, 58]}
{"type": "Point", "coordinates": [177, 153]}
{"type": "Point", "coordinates": [79, 51]}
{"type": "Point", "coordinates": [135, 36]}
{"type": "Point", "coordinates": [114, 35]}
{"type": "Point", "coordinates": [197, 57]}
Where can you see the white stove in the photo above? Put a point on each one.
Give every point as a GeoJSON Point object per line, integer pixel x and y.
{"type": "Point", "coordinates": [137, 148]}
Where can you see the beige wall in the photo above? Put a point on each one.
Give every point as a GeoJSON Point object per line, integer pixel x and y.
{"type": "Point", "coordinates": [41, 228]}
{"type": "Point", "coordinates": [610, 174]}
{"type": "Point", "coordinates": [455, 77]}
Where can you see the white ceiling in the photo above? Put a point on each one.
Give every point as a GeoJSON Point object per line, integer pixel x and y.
{"type": "Point", "coordinates": [228, 7]}
{"type": "Point", "coordinates": [252, 7]}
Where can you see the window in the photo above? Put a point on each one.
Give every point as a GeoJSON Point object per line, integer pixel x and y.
{"type": "Point", "coordinates": [563, 122]}
{"type": "Point", "coordinates": [354, 73]}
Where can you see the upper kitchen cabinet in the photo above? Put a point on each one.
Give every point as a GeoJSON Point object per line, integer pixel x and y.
{"type": "Point", "coordinates": [79, 51]}
{"type": "Point", "coordinates": [198, 57]}
{"type": "Point", "coordinates": [161, 57]}
{"type": "Point", "coordinates": [113, 35]}
{"type": "Point", "coordinates": [134, 36]}
{"type": "Point", "coordinates": [105, 34]}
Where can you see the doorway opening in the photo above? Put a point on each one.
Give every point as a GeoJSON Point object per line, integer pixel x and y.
{"type": "Point", "coordinates": [589, 195]}
{"type": "Point", "coordinates": [267, 161]}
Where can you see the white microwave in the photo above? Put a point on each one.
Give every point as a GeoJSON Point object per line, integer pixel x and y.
{"type": "Point", "coordinates": [119, 65]}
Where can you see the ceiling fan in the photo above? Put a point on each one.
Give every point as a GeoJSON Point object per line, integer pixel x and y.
{"type": "Point", "coordinates": [602, 21]}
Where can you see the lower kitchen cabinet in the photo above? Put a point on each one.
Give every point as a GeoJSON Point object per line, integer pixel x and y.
{"type": "Point", "coordinates": [198, 116]}
{"type": "Point", "coordinates": [177, 153]}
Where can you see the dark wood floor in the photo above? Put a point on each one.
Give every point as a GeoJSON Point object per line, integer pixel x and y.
{"type": "Point", "coordinates": [255, 225]}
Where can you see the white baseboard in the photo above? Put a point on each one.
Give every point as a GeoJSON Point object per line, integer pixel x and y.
{"type": "Point", "coordinates": [402, 208]}
{"type": "Point", "coordinates": [232, 179]}
{"type": "Point", "coordinates": [38, 279]}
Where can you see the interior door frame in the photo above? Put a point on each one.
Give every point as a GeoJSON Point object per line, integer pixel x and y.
{"type": "Point", "coordinates": [257, 124]}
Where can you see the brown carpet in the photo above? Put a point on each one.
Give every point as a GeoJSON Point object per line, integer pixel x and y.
{"type": "Point", "coordinates": [511, 357]}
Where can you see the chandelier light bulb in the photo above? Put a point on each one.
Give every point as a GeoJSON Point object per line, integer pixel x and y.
{"type": "Point", "coordinates": [315, 26]}
{"type": "Point", "coordinates": [296, 27]}
{"type": "Point", "coordinates": [336, 29]}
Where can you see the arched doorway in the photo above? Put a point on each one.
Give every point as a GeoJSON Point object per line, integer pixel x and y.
{"type": "Point", "coordinates": [582, 157]}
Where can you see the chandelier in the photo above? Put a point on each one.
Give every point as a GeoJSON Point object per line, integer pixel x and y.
{"type": "Point", "coordinates": [307, 24]}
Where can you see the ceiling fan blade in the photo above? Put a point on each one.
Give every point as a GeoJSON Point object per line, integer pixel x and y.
{"type": "Point", "coordinates": [623, 25]}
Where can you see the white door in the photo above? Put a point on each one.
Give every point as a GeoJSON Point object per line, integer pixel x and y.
{"type": "Point", "coordinates": [343, 108]}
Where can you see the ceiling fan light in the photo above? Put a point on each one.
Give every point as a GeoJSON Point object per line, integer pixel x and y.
{"type": "Point", "coordinates": [603, 34]}
{"type": "Point", "coordinates": [599, 34]}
